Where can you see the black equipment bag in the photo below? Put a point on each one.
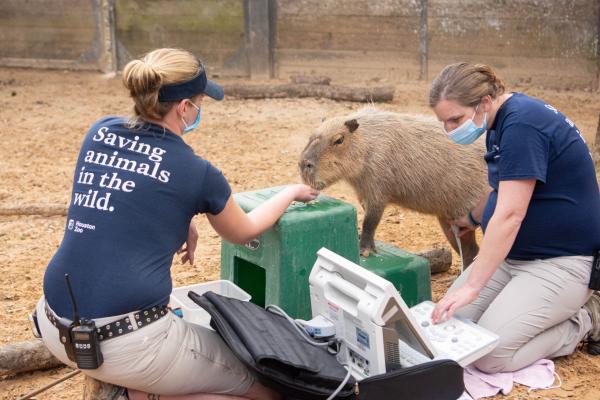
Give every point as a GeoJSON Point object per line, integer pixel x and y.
{"type": "Point", "coordinates": [281, 358]}
{"type": "Point", "coordinates": [435, 380]}
{"type": "Point", "coordinates": [272, 348]}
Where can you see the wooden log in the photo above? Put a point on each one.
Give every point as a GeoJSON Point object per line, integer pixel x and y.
{"type": "Point", "coordinates": [44, 210]}
{"type": "Point", "coordinates": [26, 356]}
{"type": "Point", "coordinates": [96, 390]}
{"type": "Point", "coordinates": [440, 259]}
{"type": "Point", "coordinates": [311, 79]}
{"type": "Point", "coordinates": [342, 93]}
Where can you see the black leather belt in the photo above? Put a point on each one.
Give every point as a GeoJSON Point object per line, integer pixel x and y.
{"type": "Point", "coordinates": [129, 323]}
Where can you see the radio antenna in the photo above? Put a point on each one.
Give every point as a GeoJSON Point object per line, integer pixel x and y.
{"type": "Point", "coordinates": [75, 312]}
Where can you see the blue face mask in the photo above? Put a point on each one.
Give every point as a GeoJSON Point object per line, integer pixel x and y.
{"type": "Point", "coordinates": [468, 132]}
{"type": "Point", "coordinates": [193, 126]}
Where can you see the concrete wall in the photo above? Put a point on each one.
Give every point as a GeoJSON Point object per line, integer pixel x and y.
{"type": "Point", "coordinates": [348, 39]}
{"type": "Point", "coordinates": [70, 34]}
{"type": "Point", "coordinates": [548, 42]}
{"type": "Point", "coordinates": [211, 29]}
{"type": "Point", "coordinates": [62, 33]}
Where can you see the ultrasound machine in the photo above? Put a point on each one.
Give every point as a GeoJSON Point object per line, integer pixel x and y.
{"type": "Point", "coordinates": [376, 328]}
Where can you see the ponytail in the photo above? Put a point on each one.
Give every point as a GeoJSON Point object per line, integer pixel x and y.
{"type": "Point", "coordinates": [144, 78]}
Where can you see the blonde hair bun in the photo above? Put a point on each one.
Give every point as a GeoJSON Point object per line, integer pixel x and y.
{"type": "Point", "coordinates": [144, 78]}
{"type": "Point", "coordinates": [141, 78]}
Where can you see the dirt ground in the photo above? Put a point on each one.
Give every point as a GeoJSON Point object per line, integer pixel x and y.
{"type": "Point", "coordinates": [44, 115]}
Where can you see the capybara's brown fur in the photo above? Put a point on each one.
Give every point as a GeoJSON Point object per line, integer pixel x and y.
{"type": "Point", "coordinates": [396, 158]}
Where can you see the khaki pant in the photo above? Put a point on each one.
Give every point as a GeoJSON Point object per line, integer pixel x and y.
{"type": "Point", "coordinates": [167, 357]}
{"type": "Point", "coordinates": [535, 307]}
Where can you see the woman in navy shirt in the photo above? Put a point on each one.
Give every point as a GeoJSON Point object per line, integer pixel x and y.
{"type": "Point", "coordinates": [136, 188]}
{"type": "Point", "coordinates": [541, 221]}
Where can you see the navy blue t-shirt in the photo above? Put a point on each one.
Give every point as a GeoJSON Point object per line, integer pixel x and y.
{"type": "Point", "coordinates": [135, 192]}
{"type": "Point", "coordinates": [532, 140]}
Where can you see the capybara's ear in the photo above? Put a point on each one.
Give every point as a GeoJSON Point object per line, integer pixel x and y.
{"type": "Point", "coordinates": [352, 125]}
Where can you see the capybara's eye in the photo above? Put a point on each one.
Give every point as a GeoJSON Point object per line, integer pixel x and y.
{"type": "Point", "coordinates": [339, 140]}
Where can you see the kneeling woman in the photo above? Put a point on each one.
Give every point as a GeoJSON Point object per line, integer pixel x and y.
{"type": "Point", "coordinates": [137, 186]}
{"type": "Point", "coordinates": [529, 282]}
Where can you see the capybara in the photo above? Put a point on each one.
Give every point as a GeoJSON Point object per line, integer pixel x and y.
{"type": "Point", "coordinates": [397, 158]}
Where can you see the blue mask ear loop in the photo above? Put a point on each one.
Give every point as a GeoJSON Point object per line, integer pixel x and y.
{"type": "Point", "coordinates": [189, 128]}
{"type": "Point", "coordinates": [484, 117]}
{"type": "Point", "coordinates": [475, 112]}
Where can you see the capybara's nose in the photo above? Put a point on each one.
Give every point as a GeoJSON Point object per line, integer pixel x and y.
{"type": "Point", "coordinates": [306, 165]}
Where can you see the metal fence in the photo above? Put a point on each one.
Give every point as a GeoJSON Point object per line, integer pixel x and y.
{"type": "Point", "coordinates": [551, 43]}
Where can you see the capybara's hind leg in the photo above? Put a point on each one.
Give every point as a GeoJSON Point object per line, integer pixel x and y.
{"type": "Point", "coordinates": [467, 241]}
{"type": "Point", "coordinates": [367, 236]}
{"type": "Point", "coordinates": [469, 247]}
{"type": "Point", "coordinates": [447, 229]}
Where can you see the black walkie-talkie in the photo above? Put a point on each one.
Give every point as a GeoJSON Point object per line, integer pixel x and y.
{"type": "Point", "coordinates": [84, 338]}
{"type": "Point", "coordinates": [595, 275]}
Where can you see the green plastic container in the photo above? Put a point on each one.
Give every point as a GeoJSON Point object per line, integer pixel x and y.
{"type": "Point", "coordinates": [409, 273]}
{"type": "Point", "coordinates": [274, 268]}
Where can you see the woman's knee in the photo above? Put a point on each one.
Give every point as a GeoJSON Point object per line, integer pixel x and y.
{"type": "Point", "coordinates": [492, 363]}
{"type": "Point", "coordinates": [500, 358]}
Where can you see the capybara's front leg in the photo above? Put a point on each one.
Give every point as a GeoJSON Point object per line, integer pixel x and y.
{"type": "Point", "coordinates": [373, 215]}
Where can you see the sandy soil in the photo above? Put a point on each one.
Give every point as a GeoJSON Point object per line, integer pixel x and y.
{"type": "Point", "coordinates": [44, 115]}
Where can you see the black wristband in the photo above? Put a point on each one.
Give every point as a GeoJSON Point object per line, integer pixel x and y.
{"type": "Point", "coordinates": [472, 220]}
